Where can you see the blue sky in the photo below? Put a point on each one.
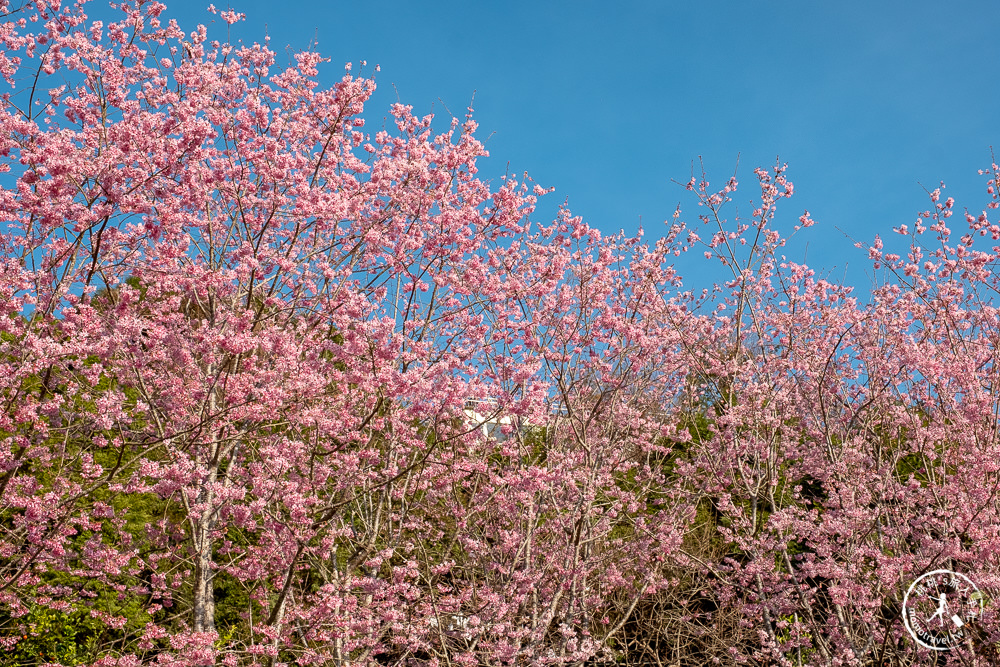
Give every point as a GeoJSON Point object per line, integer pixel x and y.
{"type": "Point", "coordinates": [608, 102]}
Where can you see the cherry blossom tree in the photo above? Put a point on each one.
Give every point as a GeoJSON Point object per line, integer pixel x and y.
{"type": "Point", "coordinates": [243, 335]}
{"type": "Point", "coordinates": [229, 301]}
{"type": "Point", "coordinates": [853, 446]}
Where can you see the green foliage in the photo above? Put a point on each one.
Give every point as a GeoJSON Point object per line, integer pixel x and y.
{"type": "Point", "coordinates": [77, 635]}
{"type": "Point", "coordinates": [67, 638]}
{"type": "Point", "coordinates": [232, 599]}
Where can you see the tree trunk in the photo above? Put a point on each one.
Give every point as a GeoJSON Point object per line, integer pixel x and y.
{"type": "Point", "coordinates": [204, 575]}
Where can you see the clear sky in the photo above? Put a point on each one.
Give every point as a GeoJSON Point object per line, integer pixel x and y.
{"type": "Point", "coordinates": [609, 101]}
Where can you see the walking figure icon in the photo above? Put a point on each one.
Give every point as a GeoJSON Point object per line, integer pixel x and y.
{"type": "Point", "coordinates": [935, 587]}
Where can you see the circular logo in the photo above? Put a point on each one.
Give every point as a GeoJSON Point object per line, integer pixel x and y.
{"type": "Point", "coordinates": [938, 606]}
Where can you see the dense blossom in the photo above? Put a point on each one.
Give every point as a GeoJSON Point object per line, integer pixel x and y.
{"type": "Point", "coordinates": [282, 389]}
